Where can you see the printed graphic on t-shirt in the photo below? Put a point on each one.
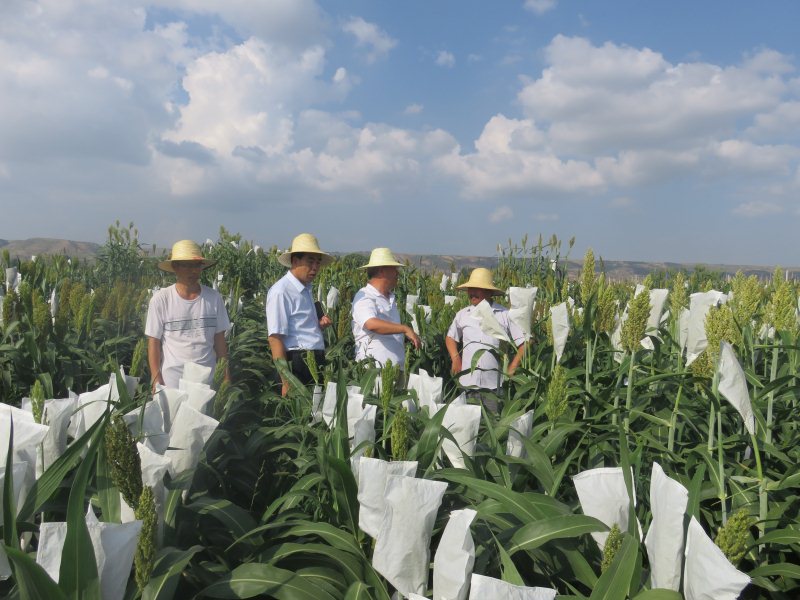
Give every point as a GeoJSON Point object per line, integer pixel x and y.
{"type": "Point", "coordinates": [191, 327]}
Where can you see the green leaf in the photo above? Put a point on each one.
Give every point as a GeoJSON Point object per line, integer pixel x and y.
{"type": "Point", "coordinates": [107, 492]}
{"type": "Point", "coordinates": [10, 536]}
{"type": "Point", "coordinates": [779, 536]}
{"type": "Point", "coordinates": [32, 580]}
{"type": "Point", "coordinates": [789, 570]}
{"type": "Point", "coordinates": [253, 579]}
{"type": "Point", "coordinates": [510, 573]}
{"type": "Point", "coordinates": [358, 591]}
{"type": "Point", "coordinates": [77, 575]}
{"type": "Point", "coordinates": [615, 582]}
{"type": "Point", "coordinates": [535, 534]}
{"type": "Point", "coordinates": [169, 565]}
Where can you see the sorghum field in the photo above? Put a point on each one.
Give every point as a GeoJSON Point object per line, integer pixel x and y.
{"type": "Point", "coordinates": [647, 448]}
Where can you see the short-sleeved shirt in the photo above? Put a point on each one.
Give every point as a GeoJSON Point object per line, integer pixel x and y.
{"type": "Point", "coordinates": [369, 303]}
{"type": "Point", "coordinates": [466, 329]}
{"type": "Point", "coordinates": [186, 329]}
{"type": "Point", "coordinates": [292, 315]}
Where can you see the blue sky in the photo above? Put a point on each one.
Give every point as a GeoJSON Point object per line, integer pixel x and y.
{"type": "Point", "coordinates": [647, 130]}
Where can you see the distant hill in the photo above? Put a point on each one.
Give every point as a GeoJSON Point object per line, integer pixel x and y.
{"type": "Point", "coordinates": [615, 269]}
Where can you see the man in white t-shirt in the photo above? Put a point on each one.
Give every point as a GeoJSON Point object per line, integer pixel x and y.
{"type": "Point", "coordinates": [466, 330]}
{"type": "Point", "coordinates": [187, 321]}
{"type": "Point", "coordinates": [376, 323]}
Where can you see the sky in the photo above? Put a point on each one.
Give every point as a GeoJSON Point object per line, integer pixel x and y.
{"type": "Point", "coordinates": [659, 131]}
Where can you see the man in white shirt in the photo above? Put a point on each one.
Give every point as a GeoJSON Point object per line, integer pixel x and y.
{"type": "Point", "coordinates": [187, 321]}
{"type": "Point", "coordinates": [294, 323]}
{"type": "Point", "coordinates": [377, 330]}
{"type": "Point", "coordinates": [466, 330]}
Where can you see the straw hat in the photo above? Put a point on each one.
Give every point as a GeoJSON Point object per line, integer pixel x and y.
{"type": "Point", "coordinates": [305, 243]}
{"type": "Point", "coordinates": [480, 278]}
{"type": "Point", "coordinates": [185, 250]}
{"type": "Point", "coordinates": [382, 257]}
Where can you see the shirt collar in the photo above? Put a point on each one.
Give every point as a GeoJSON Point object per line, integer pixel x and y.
{"type": "Point", "coordinates": [373, 291]}
{"type": "Point", "coordinates": [296, 283]}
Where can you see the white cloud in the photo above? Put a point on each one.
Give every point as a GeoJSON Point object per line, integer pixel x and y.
{"type": "Point", "coordinates": [445, 59]}
{"type": "Point", "coordinates": [540, 6]}
{"type": "Point", "coordinates": [501, 213]}
{"type": "Point", "coordinates": [413, 109]}
{"type": "Point", "coordinates": [757, 208]}
{"type": "Point", "coordinates": [370, 36]}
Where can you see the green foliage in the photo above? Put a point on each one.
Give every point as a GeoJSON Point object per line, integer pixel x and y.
{"type": "Point", "coordinates": [733, 537]}
{"type": "Point", "coordinates": [556, 402]}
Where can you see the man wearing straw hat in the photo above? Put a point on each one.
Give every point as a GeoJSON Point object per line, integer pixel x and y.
{"type": "Point", "coordinates": [294, 324]}
{"type": "Point", "coordinates": [466, 329]}
{"type": "Point", "coordinates": [187, 321]}
{"type": "Point", "coordinates": [376, 323]}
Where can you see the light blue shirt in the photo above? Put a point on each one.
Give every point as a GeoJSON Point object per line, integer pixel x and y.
{"type": "Point", "coordinates": [291, 314]}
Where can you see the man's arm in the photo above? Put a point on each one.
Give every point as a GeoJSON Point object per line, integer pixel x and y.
{"type": "Point", "coordinates": [517, 359]}
{"type": "Point", "coordinates": [381, 327]}
{"type": "Point", "coordinates": [455, 357]}
{"type": "Point", "coordinates": [278, 350]}
{"type": "Point", "coordinates": [154, 361]}
{"type": "Point", "coordinates": [221, 350]}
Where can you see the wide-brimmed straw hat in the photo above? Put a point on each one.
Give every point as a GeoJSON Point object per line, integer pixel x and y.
{"type": "Point", "coordinates": [480, 278]}
{"type": "Point", "coordinates": [307, 244]}
{"type": "Point", "coordinates": [381, 257]}
{"type": "Point", "coordinates": [185, 250]}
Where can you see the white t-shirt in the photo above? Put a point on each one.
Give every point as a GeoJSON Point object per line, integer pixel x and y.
{"type": "Point", "coordinates": [186, 329]}
{"type": "Point", "coordinates": [369, 303]}
{"type": "Point", "coordinates": [467, 330]}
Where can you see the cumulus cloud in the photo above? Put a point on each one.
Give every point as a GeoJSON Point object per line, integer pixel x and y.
{"type": "Point", "coordinates": [445, 59]}
{"type": "Point", "coordinates": [368, 35]}
{"type": "Point", "coordinates": [757, 208]}
{"type": "Point", "coordinates": [540, 6]}
{"type": "Point", "coordinates": [501, 213]}
{"type": "Point", "coordinates": [413, 109]}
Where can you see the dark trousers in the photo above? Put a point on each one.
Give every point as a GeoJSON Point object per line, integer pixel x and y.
{"type": "Point", "coordinates": [296, 359]}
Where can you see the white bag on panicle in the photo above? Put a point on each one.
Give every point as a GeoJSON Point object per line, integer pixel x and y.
{"type": "Point", "coordinates": [56, 414]}
{"type": "Point", "coordinates": [521, 312]}
{"type": "Point", "coordinates": [483, 588]}
{"type": "Point", "coordinates": [452, 563]}
{"type": "Point", "coordinates": [603, 495]}
{"type": "Point", "coordinates": [355, 409]}
{"type": "Point", "coordinates": [372, 474]}
{"type": "Point", "coordinates": [402, 546]}
{"type": "Point", "coordinates": [444, 282]}
{"type": "Point", "coordinates": [428, 388]}
{"type": "Point", "coordinates": [90, 407]}
{"type": "Point", "coordinates": [329, 404]}
{"type": "Point", "coordinates": [189, 434]}
{"type": "Point", "coordinates": [170, 400]}
{"type": "Point", "coordinates": [200, 396]}
{"type": "Point", "coordinates": [683, 328]}
{"type": "Point", "coordinates": [450, 300]}
{"type": "Point", "coordinates": [363, 430]}
{"type": "Point", "coordinates": [658, 299]}
{"type": "Point", "coordinates": [463, 422]}
{"type": "Point", "coordinates": [559, 318]}
{"type": "Point", "coordinates": [146, 424]}
{"type": "Point", "coordinates": [733, 385]}
{"type": "Point", "coordinates": [699, 305]}
{"type": "Point", "coordinates": [520, 430]}
{"type": "Point", "coordinates": [154, 467]}
{"type": "Point", "coordinates": [708, 574]}
{"type": "Point", "coordinates": [332, 299]}
{"type": "Point", "coordinates": [28, 435]}
{"type": "Point", "coordinates": [197, 373]}
{"type": "Point", "coordinates": [114, 547]}
{"type": "Point", "coordinates": [316, 404]}
{"type": "Point", "coordinates": [488, 323]}
{"type": "Point", "coordinates": [130, 384]}
{"type": "Point", "coordinates": [664, 540]}
{"type": "Point", "coordinates": [11, 278]}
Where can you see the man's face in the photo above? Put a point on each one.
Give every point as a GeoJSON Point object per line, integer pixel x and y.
{"type": "Point", "coordinates": [477, 295]}
{"type": "Point", "coordinates": [188, 271]}
{"type": "Point", "coordinates": [391, 274]}
{"type": "Point", "coordinates": [306, 266]}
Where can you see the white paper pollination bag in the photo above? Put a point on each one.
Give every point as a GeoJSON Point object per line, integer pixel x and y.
{"type": "Point", "coordinates": [114, 547]}
{"type": "Point", "coordinates": [372, 475]}
{"type": "Point", "coordinates": [559, 318]}
{"type": "Point", "coordinates": [188, 435]}
{"type": "Point", "coordinates": [402, 546]}
{"type": "Point", "coordinates": [428, 388]}
{"type": "Point", "coordinates": [699, 305]}
{"type": "Point", "coordinates": [603, 495]}
{"type": "Point", "coordinates": [733, 385]}
{"type": "Point", "coordinates": [483, 588]}
{"type": "Point", "coordinates": [522, 303]}
{"type": "Point", "coordinates": [520, 430]}
{"type": "Point", "coordinates": [488, 323]}
{"type": "Point", "coordinates": [463, 421]}
{"type": "Point", "coordinates": [452, 563]}
{"type": "Point", "coordinates": [28, 435]}
{"type": "Point", "coordinates": [708, 574]}
{"type": "Point", "coordinates": [664, 541]}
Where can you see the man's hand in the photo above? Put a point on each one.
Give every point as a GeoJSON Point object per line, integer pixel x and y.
{"type": "Point", "coordinates": [284, 389]}
{"type": "Point", "coordinates": [413, 337]}
{"type": "Point", "coordinates": [456, 366]}
{"type": "Point", "coordinates": [325, 322]}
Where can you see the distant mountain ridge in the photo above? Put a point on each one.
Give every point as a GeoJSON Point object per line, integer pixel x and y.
{"type": "Point", "coordinates": [614, 269]}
